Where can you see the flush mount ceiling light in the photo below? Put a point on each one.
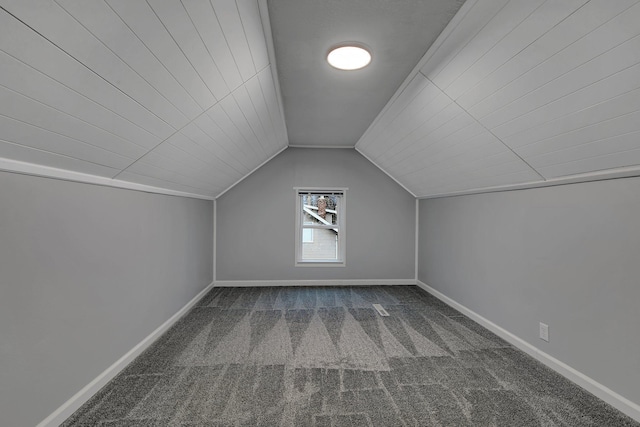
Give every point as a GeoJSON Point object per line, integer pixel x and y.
{"type": "Point", "coordinates": [349, 56]}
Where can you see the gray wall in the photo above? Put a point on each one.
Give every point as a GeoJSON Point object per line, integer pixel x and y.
{"type": "Point", "coordinates": [86, 273]}
{"type": "Point", "coordinates": [568, 256]}
{"type": "Point", "coordinates": [256, 220]}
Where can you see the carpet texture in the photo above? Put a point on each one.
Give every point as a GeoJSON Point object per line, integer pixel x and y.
{"type": "Point", "coordinates": [324, 357]}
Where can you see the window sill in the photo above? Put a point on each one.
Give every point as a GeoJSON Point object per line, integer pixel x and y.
{"type": "Point", "coordinates": [320, 263]}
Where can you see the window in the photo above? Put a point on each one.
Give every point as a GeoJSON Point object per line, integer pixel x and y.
{"type": "Point", "coordinates": [320, 233]}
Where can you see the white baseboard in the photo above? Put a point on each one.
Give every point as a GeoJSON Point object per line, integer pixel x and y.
{"type": "Point", "coordinates": [347, 282]}
{"type": "Point", "coordinates": [75, 402]}
{"type": "Point", "coordinates": [606, 394]}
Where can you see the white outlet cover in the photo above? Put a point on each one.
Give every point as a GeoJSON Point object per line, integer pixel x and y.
{"type": "Point", "coordinates": [544, 332]}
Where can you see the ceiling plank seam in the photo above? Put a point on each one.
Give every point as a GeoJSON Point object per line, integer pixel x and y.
{"type": "Point", "coordinates": [186, 125]}
{"type": "Point", "coordinates": [487, 129]}
{"type": "Point", "coordinates": [449, 29]}
{"type": "Point", "coordinates": [82, 63]}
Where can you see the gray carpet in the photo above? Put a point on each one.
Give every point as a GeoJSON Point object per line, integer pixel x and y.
{"type": "Point", "coordinates": [325, 357]}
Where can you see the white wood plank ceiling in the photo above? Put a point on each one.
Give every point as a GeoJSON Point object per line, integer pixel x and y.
{"type": "Point", "coordinates": [184, 96]}
{"type": "Point", "coordinates": [173, 94]}
{"type": "Point", "coordinates": [513, 92]}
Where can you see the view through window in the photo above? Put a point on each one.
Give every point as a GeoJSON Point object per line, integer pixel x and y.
{"type": "Point", "coordinates": [320, 236]}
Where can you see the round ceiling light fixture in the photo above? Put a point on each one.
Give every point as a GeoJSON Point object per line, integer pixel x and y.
{"type": "Point", "coordinates": [349, 56]}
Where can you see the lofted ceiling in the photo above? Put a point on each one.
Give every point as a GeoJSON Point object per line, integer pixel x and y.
{"type": "Point", "coordinates": [517, 92]}
{"type": "Point", "coordinates": [191, 96]}
{"type": "Point", "coordinates": [170, 94]}
{"type": "Point", "coordinates": [327, 107]}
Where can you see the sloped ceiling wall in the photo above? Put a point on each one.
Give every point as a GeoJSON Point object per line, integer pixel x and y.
{"type": "Point", "coordinates": [182, 95]}
{"type": "Point", "coordinates": [177, 95]}
{"type": "Point", "coordinates": [516, 92]}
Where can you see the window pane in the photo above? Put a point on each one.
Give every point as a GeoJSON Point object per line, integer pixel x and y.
{"type": "Point", "coordinates": [307, 235]}
{"type": "Point", "coordinates": [324, 244]}
{"type": "Point", "coordinates": [320, 208]}
{"type": "Point", "coordinates": [307, 219]}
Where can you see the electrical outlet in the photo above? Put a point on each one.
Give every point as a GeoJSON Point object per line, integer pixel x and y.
{"type": "Point", "coordinates": [544, 332]}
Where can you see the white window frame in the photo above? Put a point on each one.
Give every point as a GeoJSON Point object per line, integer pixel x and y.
{"type": "Point", "coordinates": [341, 214]}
